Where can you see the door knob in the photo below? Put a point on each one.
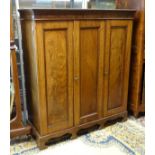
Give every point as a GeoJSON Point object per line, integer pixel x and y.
{"type": "Point", "coordinates": [76, 78]}
{"type": "Point", "coordinates": [106, 73]}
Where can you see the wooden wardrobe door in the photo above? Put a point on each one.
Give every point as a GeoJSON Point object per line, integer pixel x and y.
{"type": "Point", "coordinates": [88, 70]}
{"type": "Point", "coordinates": [56, 76]}
{"type": "Point", "coordinates": [117, 62]}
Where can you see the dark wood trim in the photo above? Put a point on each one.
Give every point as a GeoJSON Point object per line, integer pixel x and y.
{"type": "Point", "coordinates": [136, 105]}
{"type": "Point", "coordinates": [70, 14]}
{"type": "Point", "coordinates": [16, 125]}
{"type": "Point", "coordinates": [20, 131]}
{"type": "Point", "coordinates": [17, 120]}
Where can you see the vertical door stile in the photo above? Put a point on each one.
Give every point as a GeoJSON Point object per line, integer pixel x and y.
{"type": "Point", "coordinates": [76, 74]}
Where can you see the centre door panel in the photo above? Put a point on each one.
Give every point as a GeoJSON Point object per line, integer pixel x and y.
{"type": "Point", "coordinates": [88, 70]}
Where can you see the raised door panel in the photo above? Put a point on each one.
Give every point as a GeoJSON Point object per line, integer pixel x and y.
{"type": "Point", "coordinates": [56, 65]}
{"type": "Point", "coordinates": [88, 69]}
{"type": "Point", "coordinates": [117, 62]}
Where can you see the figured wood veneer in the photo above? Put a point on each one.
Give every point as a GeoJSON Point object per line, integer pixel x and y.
{"type": "Point", "coordinates": [77, 66]}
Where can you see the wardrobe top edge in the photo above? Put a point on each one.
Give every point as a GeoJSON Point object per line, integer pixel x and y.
{"type": "Point", "coordinates": [41, 14]}
{"type": "Point", "coordinates": [71, 9]}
